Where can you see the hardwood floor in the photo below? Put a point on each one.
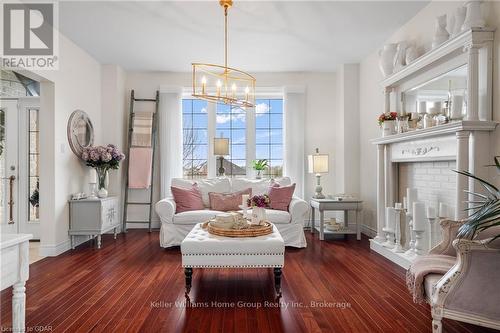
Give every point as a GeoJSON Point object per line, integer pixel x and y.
{"type": "Point", "coordinates": [132, 285]}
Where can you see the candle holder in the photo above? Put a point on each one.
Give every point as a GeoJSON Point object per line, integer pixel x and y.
{"type": "Point", "coordinates": [419, 250]}
{"type": "Point", "coordinates": [92, 190]}
{"type": "Point", "coordinates": [433, 239]}
{"type": "Point", "coordinates": [389, 235]}
{"type": "Point", "coordinates": [411, 250]}
{"type": "Point", "coordinates": [398, 248]}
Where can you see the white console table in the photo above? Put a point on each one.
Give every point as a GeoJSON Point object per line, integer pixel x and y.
{"type": "Point", "coordinates": [93, 217]}
{"type": "Point", "coordinates": [15, 271]}
{"type": "Point", "coordinates": [330, 204]}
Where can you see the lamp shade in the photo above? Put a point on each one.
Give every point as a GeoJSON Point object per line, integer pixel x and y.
{"type": "Point", "coordinates": [221, 146]}
{"type": "Point", "coordinates": [318, 163]}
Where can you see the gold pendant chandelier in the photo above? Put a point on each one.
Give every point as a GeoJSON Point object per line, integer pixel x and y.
{"type": "Point", "coordinates": [223, 84]}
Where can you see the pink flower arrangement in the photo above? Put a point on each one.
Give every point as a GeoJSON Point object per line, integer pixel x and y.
{"type": "Point", "coordinates": [261, 201]}
{"type": "Point", "coordinates": [107, 157]}
{"type": "Point", "coordinates": [383, 117]}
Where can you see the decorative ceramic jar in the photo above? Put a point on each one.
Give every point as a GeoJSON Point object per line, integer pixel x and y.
{"type": "Point", "coordinates": [441, 35]}
{"type": "Point", "coordinates": [386, 61]}
{"type": "Point", "coordinates": [460, 13]}
{"type": "Point", "coordinates": [258, 215]}
{"type": "Point", "coordinates": [399, 58]}
{"type": "Point", "coordinates": [411, 54]}
{"type": "Point", "coordinates": [388, 127]}
{"type": "Point", "coordinates": [474, 17]}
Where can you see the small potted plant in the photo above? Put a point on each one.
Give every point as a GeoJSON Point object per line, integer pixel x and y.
{"type": "Point", "coordinates": [387, 121]}
{"type": "Point", "coordinates": [259, 203]}
{"type": "Point", "coordinates": [259, 166]}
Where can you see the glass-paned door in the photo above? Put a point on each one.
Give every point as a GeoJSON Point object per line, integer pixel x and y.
{"type": "Point", "coordinates": [29, 166]}
{"type": "Point", "coordinates": [19, 166]}
{"type": "Point", "coordinates": [8, 167]}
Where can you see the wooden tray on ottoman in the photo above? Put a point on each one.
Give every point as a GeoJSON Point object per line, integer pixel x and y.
{"type": "Point", "coordinates": [253, 231]}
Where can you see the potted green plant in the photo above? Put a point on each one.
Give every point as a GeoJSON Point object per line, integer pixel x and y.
{"type": "Point", "coordinates": [259, 166]}
{"type": "Point", "coordinates": [485, 212]}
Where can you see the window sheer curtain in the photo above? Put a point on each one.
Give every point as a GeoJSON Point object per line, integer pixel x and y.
{"type": "Point", "coordinates": [170, 137]}
{"type": "Point", "coordinates": [294, 126]}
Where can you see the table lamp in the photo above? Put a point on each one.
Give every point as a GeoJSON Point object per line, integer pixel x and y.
{"type": "Point", "coordinates": [221, 149]}
{"type": "Point", "coordinates": [318, 164]}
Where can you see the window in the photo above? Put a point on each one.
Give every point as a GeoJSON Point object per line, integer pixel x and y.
{"type": "Point", "coordinates": [195, 138]}
{"type": "Point", "coordinates": [269, 134]}
{"type": "Point", "coordinates": [231, 123]}
{"type": "Point", "coordinates": [34, 164]}
{"type": "Point", "coordinates": [203, 121]}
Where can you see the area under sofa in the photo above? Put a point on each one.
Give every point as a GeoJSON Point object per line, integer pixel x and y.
{"type": "Point", "coordinates": [175, 227]}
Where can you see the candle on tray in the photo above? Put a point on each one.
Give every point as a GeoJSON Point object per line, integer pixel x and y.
{"type": "Point", "coordinates": [419, 219]}
{"type": "Point", "coordinates": [398, 205]}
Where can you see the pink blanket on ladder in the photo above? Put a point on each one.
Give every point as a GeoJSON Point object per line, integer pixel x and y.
{"type": "Point", "coordinates": [139, 168]}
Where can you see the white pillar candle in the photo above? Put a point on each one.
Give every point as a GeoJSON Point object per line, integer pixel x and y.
{"type": "Point", "coordinates": [419, 219]}
{"type": "Point", "coordinates": [398, 205]}
{"type": "Point", "coordinates": [412, 196]}
{"type": "Point", "coordinates": [443, 210]}
{"type": "Point", "coordinates": [93, 176]}
{"type": "Point", "coordinates": [244, 200]}
{"type": "Point", "coordinates": [431, 212]}
{"type": "Point", "coordinates": [390, 218]}
{"type": "Point", "coordinates": [405, 203]}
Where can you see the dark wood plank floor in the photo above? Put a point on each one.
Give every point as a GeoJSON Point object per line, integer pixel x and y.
{"type": "Point", "coordinates": [132, 285]}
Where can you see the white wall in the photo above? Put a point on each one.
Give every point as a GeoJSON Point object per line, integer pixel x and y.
{"type": "Point", "coordinates": [420, 30]}
{"type": "Point", "coordinates": [320, 117]}
{"type": "Point", "coordinates": [76, 85]}
{"type": "Point", "coordinates": [114, 119]}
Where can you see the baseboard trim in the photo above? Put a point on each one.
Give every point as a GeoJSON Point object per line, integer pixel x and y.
{"type": "Point", "coordinates": [53, 250]}
{"type": "Point", "coordinates": [368, 231]}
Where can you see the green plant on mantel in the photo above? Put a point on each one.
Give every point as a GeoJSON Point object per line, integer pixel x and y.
{"type": "Point", "coordinates": [485, 212]}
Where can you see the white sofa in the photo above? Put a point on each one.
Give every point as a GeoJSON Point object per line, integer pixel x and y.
{"type": "Point", "coordinates": [175, 227]}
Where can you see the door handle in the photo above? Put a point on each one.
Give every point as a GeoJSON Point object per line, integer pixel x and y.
{"type": "Point", "coordinates": [11, 198]}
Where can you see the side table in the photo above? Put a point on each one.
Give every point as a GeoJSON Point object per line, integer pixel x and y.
{"type": "Point", "coordinates": [330, 204]}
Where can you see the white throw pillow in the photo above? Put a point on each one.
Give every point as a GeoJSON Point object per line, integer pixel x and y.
{"type": "Point", "coordinates": [258, 186]}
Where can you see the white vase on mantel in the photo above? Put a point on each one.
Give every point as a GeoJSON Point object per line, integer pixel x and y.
{"type": "Point", "coordinates": [386, 61]}
{"type": "Point", "coordinates": [441, 35]}
{"type": "Point", "coordinates": [473, 17]}
{"type": "Point", "coordinates": [388, 127]}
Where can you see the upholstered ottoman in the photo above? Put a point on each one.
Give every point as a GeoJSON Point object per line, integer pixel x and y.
{"type": "Point", "coordinates": [200, 249]}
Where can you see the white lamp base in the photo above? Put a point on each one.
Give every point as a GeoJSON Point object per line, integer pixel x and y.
{"type": "Point", "coordinates": [319, 188]}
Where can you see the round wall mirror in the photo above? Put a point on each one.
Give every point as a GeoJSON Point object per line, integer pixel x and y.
{"type": "Point", "coordinates": [80, 132]}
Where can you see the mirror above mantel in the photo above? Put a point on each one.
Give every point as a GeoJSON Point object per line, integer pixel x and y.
{"type": "Point", "coordinates": [444, 95]}
{"type": "Point", "coordinates": [463, 64]}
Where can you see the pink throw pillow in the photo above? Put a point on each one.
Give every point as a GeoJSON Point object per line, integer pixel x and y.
{"type": "Point", "coordinates": [280, 196]}
{"type": "Point", "coordinates": [225, 202]}
{"type": "Point", "coordinates": [187, 199]}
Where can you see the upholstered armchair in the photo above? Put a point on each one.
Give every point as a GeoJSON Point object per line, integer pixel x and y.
{"type": "Point", "coordinates": [470, 290]}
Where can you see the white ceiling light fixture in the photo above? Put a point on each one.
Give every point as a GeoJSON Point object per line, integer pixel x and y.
{"type": "Point", "coordinates": [223, 84]}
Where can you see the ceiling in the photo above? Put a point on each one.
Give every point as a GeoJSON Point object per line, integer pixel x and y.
{"type": "Point", "coordinates": [264, 36]}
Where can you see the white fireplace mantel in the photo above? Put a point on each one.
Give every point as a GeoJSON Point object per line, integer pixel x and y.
{"type": "Point", "coordinates": [450, 128]}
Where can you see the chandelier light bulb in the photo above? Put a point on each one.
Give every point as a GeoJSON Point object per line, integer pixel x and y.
{"type": "Point", "coordinates": [219, 85]}
{"type": "Point", "coordinates": [203, 85]}
{"type": "Point", "coordinates": [247, 91]}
